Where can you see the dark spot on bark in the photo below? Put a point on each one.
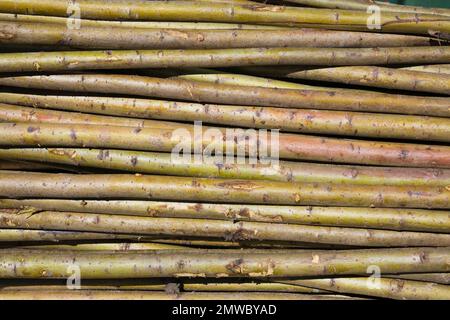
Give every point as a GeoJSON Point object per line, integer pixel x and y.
{"type": "Point", "coordinates": [172, 288]}
{"type": "Point", "coordinates": [244, 212]}
{"type": "Point", "coordinates": [241, 234]}
{"type": "Point", "coordinates": [239, 185]}
{"type": "Point", "coordinates": [292, 115]}
{"type": "Point", "coordinates": [400, 285]}
{"type": "Point", "coordinates": [403, 154]}
{"type": "Point", "coordinates": [195, 184]}
{"type": "Point", "coordinates": [332, 282]}
{"type": "Point", "coordinates": [235, 266]}
{"type": "Point", "coordinates": [100, 155]}
{"type": "Point", "coordinates": [198, 207]}
{"type": "Point", "coordinates": [349, 119]}
{"type": "Point", "coordinates": [289, 176]}
{"type": "Point", "coordinates": [134, 161]}
{"type": "Point", "coordinates": [437, 172]}
{"type": "Point", "coordinates": [137, 130]}
{"type": "Point", "coordinates": [423, 257]}
{"type": "Point", "coordinates": [181, 264]}
{"type": "Point", "coordinates": [73, 134]}
{"type": "Point", "coordinates": [32, 129]}
{"type": "Point", "coordinates": [380, 198]}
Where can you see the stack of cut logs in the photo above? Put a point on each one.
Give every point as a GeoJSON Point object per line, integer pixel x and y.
{"type": "Point", "coordinates": [115, 185]}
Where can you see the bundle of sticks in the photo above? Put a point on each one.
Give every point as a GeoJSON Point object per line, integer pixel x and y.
{"type": "Point", "coordinates": [224, 149]}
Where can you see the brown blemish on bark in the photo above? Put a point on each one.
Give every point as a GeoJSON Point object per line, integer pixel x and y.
{"type": "Point", "coordinates": [245, 212]}
{"type": "Point", "coordinates": [399, 284]}
{"type": "Point", "coordinates": [241, 234]}
{"type": "Point", "coordinates": [198, 207]}
{"type": "Point", "coordinates": [100, 155]}
{"type": "Point", "coordinates": [200, 37]}
{"type": "Point", "coordinates": [423, 257]}
{"type": "Point", "coordinates": [262, 7]}
{"type": "Point", "coordinates": [403, 154]}
{"type": "Point", "coordinates": [239, 185]}
{"type": "Point", "coordinates": [73, 134]}
{"type": "Point", "coordinates": [235, 266]}
{"type": "Point", "coordinates": [181, 264]}
{"type": "Point", "coordinates": [6, 36]}
{"type": "Point", "coordinates": [31, 129]}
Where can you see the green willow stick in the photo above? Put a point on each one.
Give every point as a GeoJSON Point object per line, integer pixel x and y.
{"type": "Point", "coordinates": [364, 5]}
{"type": "Point", "coordinates": [12, 113]}
{"type": "Point", "coordinates": [292, 120]}
{"type": "Point", "coordinates": [246, 80]}
{"type": "Point", "coordinates": [390, 219]}
{"type": "Point", "coordinates": [126, 246]}
{"type": "Point", "coordinates": [152, 285]}
{"type": "Point", "coordinates": [209, 263]}
{"type": "Point", "coordinates": [132, 38]}
{"type": "Point", "coordinates": [224, 12]}
{"type": "Point", "coordinates": [29, 166]}
{"type": "Point", "coordinates": [201, 243]}
{"type": "Point", "coordinates": [249, 287]}
{"type": "Point", "coordinates": [144, 24]}
{"type": "Point", "coordinates": [434, 68]}
{"type": "Point", "coordinates": [69, 186]}
{"type": "Point", "coordinates": [228, 230]}
{"type": "Point", "coordinates": [233, 142]}
{"type": "Point", "coordinates": [162, 163]}
{"type": "Point", "coordinates": [11, 237]}
{"type": "Point", "coordinates": [20, 235]}
{"type": "Point", "coordinates": [49, 286]}
{"type": "Point", "coordinates": [232, 94]}
{"type": "Point", "coordinates": [379, 77]}
{"type": "Point", "coordinates": [380, 287]}
{"type": "Point", "coordinates": [238, 245]}
{"type": "Point", "coordinates": [154, 295]}
{"type": "Point", "coordinates": [441, 278]}
{"type": "Point", "coordinates": [137, 59]}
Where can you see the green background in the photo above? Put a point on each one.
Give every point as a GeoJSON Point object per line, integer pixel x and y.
{"type": "Point", "coordinates": [425, 3]}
